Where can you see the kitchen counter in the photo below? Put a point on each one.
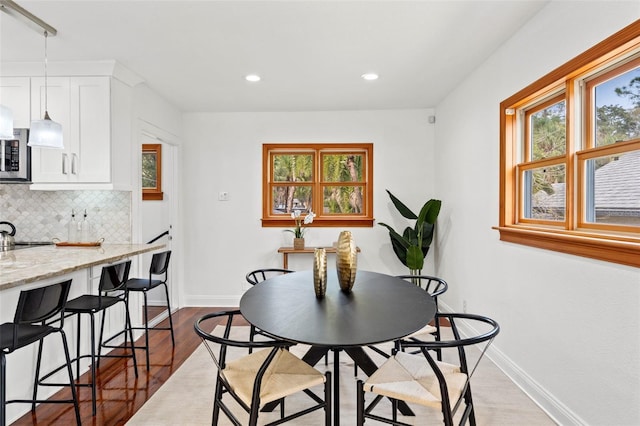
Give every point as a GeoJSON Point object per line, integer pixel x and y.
{"type": "Point", "coordinates": [18, 267]}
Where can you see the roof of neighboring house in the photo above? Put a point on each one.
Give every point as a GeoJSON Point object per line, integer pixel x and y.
{"type": "Point", "coordinates": [555, 200]}
{"type": "Point", "coordinates": [618, 183]}
{"type": "Point", "coordinates": [617, 186]}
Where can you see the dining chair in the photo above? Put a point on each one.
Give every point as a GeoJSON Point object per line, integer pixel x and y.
{"type": "Point", "coordinates": [256, 276]}
{"type": "Point", "coordinates": [435, 287]}
{"type": "Point", "coordinates": [269, 374]}
{"type": "Point", "coordinates": [259, 275]}
{"type": "Point", "coordinates": [422, 380]}
{"type": "Point", "coordinates": [40, 313]}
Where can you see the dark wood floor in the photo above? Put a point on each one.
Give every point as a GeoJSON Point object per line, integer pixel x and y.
{"type": "Point", "coordinates": [120, 394]}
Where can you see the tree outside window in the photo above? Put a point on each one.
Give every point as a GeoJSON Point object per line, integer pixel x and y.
{"type": "Point", "coordinates": [152, 172]}
{"type": "Point", "coordinates": [332, 180]}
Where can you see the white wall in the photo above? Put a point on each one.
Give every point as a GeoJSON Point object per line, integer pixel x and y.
{"type": "Point", "coordinates": [158, 112]}
{"type": "Point", "coordinates": [225, 240]}
{"type": "Point", "coordinates": [570, 325]}
{"type": "Point", "coordinates": [158, 121]}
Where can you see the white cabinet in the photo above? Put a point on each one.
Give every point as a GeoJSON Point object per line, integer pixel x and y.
{"type": "Point", "coordinates": [51, 165]}
{"type": "Point", "coordinates": [93, 102]}
{"type": "Point", "coordinates": [15, 94]}
{"type": "Point", "coordinates": [82, 106]}
{"type": "Point", "coordinates": [92, 112]}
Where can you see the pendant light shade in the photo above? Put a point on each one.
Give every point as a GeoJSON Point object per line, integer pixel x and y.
{"type": "Point", "coordinates": [45, 133]}
{"type": "Point", "coordinates": [6, 123]}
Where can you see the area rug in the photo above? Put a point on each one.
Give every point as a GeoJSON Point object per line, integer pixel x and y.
{"type": "Point", "coordinates": [187, 397]}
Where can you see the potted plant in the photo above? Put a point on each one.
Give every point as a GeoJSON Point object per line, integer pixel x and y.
{"type": "Point", "coordinates": [413, 245]}
{"type": "Point", "coordinates": [298, 231]}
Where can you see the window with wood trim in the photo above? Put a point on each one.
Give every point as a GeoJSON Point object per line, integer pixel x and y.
{"type": "Point", "coordinates": [152, 172]}
{"type": "Point", "coordinates": [333, 180]}
{"type": "Point", "coordinates": [570, 155]}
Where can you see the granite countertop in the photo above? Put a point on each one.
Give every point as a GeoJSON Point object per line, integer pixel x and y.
{"type": "Point", "coordinates": [18, 267]}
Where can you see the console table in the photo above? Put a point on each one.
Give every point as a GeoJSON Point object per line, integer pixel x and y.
{"type": "Point", "coordinates": [286, 251]}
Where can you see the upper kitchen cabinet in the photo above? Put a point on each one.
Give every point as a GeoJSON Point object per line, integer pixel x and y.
{"type": "Point", "coordinates": [15, 93]}
{"type": "Point", "coordinates": [95, 114]}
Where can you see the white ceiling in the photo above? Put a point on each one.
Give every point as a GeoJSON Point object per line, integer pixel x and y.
{"type": "Point", "coordinates": [310, 54]}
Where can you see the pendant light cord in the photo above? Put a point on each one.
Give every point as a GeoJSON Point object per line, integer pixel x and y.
{"type": "Point", "coordinates": [46, 108]}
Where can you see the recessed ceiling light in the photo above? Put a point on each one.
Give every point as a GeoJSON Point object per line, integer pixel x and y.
{"type": "Point", "coordinates": [252, 77]}
{"type": "Point", "coordinates": [370, 76]}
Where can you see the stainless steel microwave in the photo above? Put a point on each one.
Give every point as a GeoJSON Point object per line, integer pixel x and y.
{"type": "Point", "coordinates": [15, 157]}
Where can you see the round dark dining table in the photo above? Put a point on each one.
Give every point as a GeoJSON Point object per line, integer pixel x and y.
{"type": "Point", "coordinates": [379, 308]}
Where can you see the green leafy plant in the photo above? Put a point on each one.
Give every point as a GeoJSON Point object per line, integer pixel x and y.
{"type": "Point", "coordinates": [413, 245]}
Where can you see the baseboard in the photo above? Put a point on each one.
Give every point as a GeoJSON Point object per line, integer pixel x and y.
{"type": "Point", "coordinates": [160, 317]}
{"type": "Point", "coordinates": [544, 399]}
{"type": "Point", "coordinates": [554, 408]}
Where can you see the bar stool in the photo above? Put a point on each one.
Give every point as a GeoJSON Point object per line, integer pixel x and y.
{"type": "Point", "coordinates": [38, 309]}
{"type": "Point", "coordinates": [159, 266]}
{"type": "Point", "coordinates": [112, 280]}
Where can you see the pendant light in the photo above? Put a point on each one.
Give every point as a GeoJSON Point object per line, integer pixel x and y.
{"type": "Point", "coordinates": [6, 123]}
{"type": "Point", "coordinates": [45, 133]}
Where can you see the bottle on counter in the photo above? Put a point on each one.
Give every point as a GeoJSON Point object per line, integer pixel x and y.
{"type": "Point", "coordinates": [72, 228]}
{"type": "Point", "coordinates": [85, 229]}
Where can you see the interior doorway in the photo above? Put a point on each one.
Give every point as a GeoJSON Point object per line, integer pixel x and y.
{"type": "Point", "coordinates": [157, 217]}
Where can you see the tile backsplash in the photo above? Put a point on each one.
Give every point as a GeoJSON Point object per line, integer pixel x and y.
{"type": "Point", "coordinates": [44, 215]}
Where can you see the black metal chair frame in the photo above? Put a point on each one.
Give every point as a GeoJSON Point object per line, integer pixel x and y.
{"type": "Point", "coordinates": [159, 266]}
{"type": "Point", "coordinates": [112, 280]}
{"type": "Point", "coordinates": [449, 408]}
{"type": "Point", "coordinates": [435, 287]}
{"type": "Point", "coordinates": [255, 277]}
{"type": "Point", "coordinates": [259, 275]}
{"type": "Point", "coordinates": [37, 311]}
{"type": "Point", "coordinates": [223, 386]}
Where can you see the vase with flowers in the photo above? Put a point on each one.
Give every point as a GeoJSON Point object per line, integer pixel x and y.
{"type": "Point", "coordinates": [298, 231]}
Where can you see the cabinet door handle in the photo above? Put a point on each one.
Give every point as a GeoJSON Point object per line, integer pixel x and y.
{"type": "Point", "coordinates": [74, 160]}
{"type": "Point", "coordinates": [64, 164]}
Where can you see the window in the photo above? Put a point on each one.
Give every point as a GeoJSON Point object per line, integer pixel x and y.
{"type": "Point", "coordinates": [543, 171]}
{"type": "Point", "coordinates": [570, 156]}
{"type": "Point", "coordinates": [335, 181]}
{"type": "Point", "coordinates": [152, 172]}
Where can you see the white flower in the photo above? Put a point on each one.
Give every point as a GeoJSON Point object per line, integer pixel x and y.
{"type": "Point", "coordinates": [298, 232]}
{"type": "Point", "coordinates": [309, 218]}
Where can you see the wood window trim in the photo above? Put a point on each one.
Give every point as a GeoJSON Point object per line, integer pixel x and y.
{"type": "Point", "coordinates": [154, 194]}
{"type": "Point", "coordinates": [582, 157]}
{"type": "Point", "coordinates": [621, 248]}
{"type": "Point", "coordinates": [527, 166]}
{"type": "Point", "coordinates": [364, 220]}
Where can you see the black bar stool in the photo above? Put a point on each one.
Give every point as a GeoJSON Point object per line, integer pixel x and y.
{"type": "Point", "coordinates": [111, 291]}
{"type": "Point", "coordinates": [159, 266]}
{"type": "Point", "coordinates": [38, 309]}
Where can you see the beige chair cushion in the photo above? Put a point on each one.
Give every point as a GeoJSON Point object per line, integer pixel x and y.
{"type": "Point", "coordinates": [424, 333]}
{"type": "Point", "coordinates": [410, 378]}
{"type": "Point", "coordinates": [286, 375]}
